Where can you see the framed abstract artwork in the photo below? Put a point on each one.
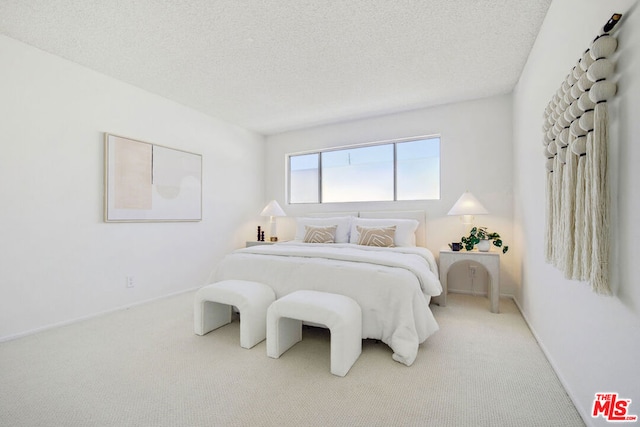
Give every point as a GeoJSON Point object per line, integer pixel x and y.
{"type": "Point", "coordinates": [148, 182]}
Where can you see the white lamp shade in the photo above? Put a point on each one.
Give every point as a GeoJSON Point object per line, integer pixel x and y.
{"type": "Point", "coordinates": [273, 209]}
{"type": "Point", "coordinates": [467, 204]}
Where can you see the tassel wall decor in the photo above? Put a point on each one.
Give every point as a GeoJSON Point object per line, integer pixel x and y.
{"type": "Point", "coordinates": [575, 147]}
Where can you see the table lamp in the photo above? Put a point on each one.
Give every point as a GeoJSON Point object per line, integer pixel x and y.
{"type": "Point", "coordinates": [467, 206]}
{"type": "Point", "coordinates": [272, 210]}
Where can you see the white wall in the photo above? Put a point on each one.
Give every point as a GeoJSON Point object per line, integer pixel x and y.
{"type": "Point", "coordinates": [592, 341]}
{"type": "Point", "coordinates": [475, 155]}
{"type": "Point", "coordinates": [58, 260]}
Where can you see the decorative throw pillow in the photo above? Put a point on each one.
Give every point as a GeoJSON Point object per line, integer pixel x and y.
{"type": "Point", "coordinates": [405, 229]}
{"type": "Point", "coordinates": [343, 224]}
{"type": "Point", "coordinates": [320, 234]}
{"type": "Point", "coordinates": [376, 236]}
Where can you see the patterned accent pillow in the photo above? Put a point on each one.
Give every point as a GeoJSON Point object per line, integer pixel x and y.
{"type": "Point", "coordinates": [376, 236]}
{"type": "Point", "coordinates": [405, 229]}
{"type": "Point", "coordinates": [325, 234]}
{"type": "Point", "coordinates": [342, 222]}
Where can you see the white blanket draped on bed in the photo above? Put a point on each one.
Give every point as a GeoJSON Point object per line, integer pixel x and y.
{"type": "Point", "coordinates": [392, 285]}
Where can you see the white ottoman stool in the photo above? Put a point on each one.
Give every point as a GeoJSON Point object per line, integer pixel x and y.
{"type": "Point", "coordinates": [339, 313]}
{"type": "Point", "coordinates": [212, 308]}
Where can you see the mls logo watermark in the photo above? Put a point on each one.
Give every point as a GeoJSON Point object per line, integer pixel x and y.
{"type": "Point", "coordinates": [611, 408]}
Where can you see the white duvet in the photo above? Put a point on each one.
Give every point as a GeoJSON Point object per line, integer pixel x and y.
{"type": "Point", "coordinates": [392, 285]}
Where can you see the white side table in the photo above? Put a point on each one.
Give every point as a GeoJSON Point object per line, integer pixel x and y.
{"type": "Point", "coordinates": [256, 243]}
{"type": "Point", "coordinates": [490, 260]}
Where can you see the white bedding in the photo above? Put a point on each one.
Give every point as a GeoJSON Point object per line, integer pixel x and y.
{"type": "Point", "coordinates": [392, 285]}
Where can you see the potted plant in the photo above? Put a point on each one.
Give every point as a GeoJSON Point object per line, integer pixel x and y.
{"type": "Point", "coordinates": [483, 238]}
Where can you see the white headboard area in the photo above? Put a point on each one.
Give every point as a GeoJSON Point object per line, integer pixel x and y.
{"type": "Point", "coordinates": [420, 216]}
{"type": "Point", "coordinates": [330, 214]}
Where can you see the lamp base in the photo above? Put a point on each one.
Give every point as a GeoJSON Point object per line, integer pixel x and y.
{"type": "Point", "coordinates": [273, 239]}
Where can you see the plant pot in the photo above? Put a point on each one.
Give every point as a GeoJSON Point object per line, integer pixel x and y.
{"type": "Point", "coordinates": [484, 245]}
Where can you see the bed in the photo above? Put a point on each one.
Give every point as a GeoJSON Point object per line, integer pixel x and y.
{"type": "Point", "coordinates": [392, 284]}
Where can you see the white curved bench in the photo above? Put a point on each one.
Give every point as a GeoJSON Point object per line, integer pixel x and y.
{"type": "Point", "coordinates": [213, 303]}
{"type": "Point", "coordinates": [341, 314]}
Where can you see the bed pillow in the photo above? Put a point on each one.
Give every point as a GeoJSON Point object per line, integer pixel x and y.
{"type": "Point", "coordinates": [342, 223]}
{"type": "Point", "coordinates": [376, 236]}
{"type": "Point", "coordinates": [320, 234]}
{"type": "Point", "coordinates": [405, 229]}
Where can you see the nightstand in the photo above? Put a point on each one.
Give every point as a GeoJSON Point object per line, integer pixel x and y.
{"type": "Point", "coordinates": [256, 243]}
{"type": "Point", "coordinates": [490, 260]}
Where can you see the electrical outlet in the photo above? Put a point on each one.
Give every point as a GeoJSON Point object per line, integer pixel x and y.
{"type": "Point", "coordinates": [472, 270]}
{"type": "Point", "coordinates": [130, 282]}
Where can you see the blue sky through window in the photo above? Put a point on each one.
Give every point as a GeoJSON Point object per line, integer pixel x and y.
{"type": "Point", "coordinates": [368, 173]}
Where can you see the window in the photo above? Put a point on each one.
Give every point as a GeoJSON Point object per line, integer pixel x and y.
{"type": "Point", "coordinates": [418, 170]}
{"type": "Point", "coordinates": [358, 174]}
{"type": "Point", "coordinates": [401, 170]}
{"type": "Point", "coordinates": [304, 178]}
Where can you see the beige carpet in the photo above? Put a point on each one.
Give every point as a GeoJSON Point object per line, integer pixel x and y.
{"type": "Point", "coordinates": [145, 367]}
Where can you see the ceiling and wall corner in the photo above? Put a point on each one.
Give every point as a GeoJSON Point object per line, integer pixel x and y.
{"type": "Point", "coordinates": [277, 65]}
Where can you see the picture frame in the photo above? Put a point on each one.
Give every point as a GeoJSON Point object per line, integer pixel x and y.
{"type": "Point", "coordinates": [146, 182]}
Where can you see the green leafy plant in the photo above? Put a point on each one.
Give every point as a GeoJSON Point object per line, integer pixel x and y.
{"type": "Point", "coordinates": [480, 233]}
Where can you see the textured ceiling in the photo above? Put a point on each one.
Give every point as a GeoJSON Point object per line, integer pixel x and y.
{"type": "Point", "coordinates": [277, 65]}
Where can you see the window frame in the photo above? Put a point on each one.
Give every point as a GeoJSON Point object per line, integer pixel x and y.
{"type": "Point", "coordinates": [393, 142]}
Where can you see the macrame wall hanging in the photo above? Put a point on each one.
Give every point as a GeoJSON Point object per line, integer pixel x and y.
{"type": "Point", "coordinates": [575, 146]}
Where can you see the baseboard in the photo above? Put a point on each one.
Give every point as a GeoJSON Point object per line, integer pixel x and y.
{"type": "Point", "coordinates": [90, 316]}
{"type": "Point", "coordinates": [480, 294]}
{"type": "Point", "coordinates": [586, 417]}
